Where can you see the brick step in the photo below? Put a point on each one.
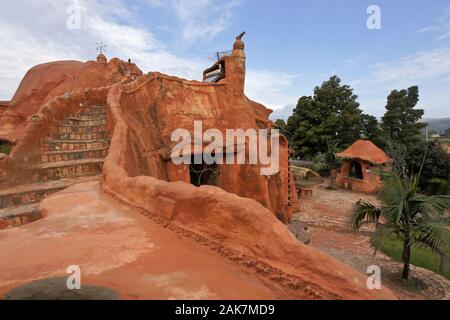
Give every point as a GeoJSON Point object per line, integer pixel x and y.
{"type": "Point", "coordinates": [21, 215]}
{"type": "Point", "coordinates": [63, 145]}
{"type": "Point", "coordinates": [83, 123]}
{"type": "Point", "coordinates": [67, 169]}
{"type": "Point", "coordinates": [89, 110]}
{"type": "Point", "coordinates": [35, 192]}
{"type": "Point", "coordinates": [94, 107]}
{"type": "Point", "coordinates": [100, 135]}
{"type": "Point", "coordinates": [68, 128]}
{"type": "Point", "coordinates": [71, 155]}
{"type": "Point", "coordinates": [87, 116]}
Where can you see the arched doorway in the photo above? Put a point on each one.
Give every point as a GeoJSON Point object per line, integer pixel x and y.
{"type": "Point", "coordinates": [356, 171]}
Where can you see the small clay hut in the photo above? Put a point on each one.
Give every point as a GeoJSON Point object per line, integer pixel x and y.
{"type": "Point", "coordinates": [362, 164]}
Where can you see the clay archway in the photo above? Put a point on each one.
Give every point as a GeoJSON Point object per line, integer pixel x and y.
{"type": "Point", "coordinates": [356, 170]}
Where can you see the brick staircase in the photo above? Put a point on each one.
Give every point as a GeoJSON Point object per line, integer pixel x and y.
{"type": "Point", "coordinates": [74, 153]}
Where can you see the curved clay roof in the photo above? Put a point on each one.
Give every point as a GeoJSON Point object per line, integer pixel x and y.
{"type": "Point", "coordinates": [365, 150]}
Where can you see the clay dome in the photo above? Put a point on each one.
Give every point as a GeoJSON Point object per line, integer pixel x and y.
{"type": "Point", "coordinates": [367, 151]}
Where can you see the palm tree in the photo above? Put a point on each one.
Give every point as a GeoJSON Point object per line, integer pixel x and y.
{"type": "Point", "coordinates": [417, 219]}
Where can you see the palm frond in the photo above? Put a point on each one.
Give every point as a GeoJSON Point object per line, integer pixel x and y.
{"type": "Point", "coordinates": [364, 213]}
{"type": "Point", "coordinates": [393, 193]}
{"type": "Point", "coordinates": [433, 232]}
{"type": "Point", "coordinates": [431, 207]}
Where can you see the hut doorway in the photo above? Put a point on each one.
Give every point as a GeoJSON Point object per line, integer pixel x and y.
{"type": "Point", "coordinates": [356, 171]}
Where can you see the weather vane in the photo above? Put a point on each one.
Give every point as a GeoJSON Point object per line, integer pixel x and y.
{"type": "Point", "coordinates": [101, 47]}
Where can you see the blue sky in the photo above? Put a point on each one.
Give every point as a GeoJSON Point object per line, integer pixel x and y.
{"type": "Point", "coordinates": [292, 46]}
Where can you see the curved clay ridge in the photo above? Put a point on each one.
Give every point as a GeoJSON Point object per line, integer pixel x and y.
{"type": "Point", "coordinates": [238, 228]}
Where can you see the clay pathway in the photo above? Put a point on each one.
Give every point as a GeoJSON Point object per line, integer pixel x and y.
{"type": "Point", "coordinates": [327, 215]}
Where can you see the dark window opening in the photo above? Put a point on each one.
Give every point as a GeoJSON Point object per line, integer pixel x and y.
{"type": "Point", "coordinates": [203, 174]}
{"type": "Point", "coordinates": [356, 170]}
{"type": "Point", "coordinates": [215, 73]}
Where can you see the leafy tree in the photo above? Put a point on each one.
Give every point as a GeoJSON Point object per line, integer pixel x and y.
{"type": "Point", "coordinates": [281, 124]}
{"type": "Point", "coordinates": [436, 165]}
{"type": "Point", "coordinates": [320, 164]}
{"type": "Point", "coordinates": [332, 114]}
{"type": "Point", "coordinates": [371, 129]}
{"type": "Point", "coordinates": [397, 152]}
{"type": "Point", "coordinates": [325, 162]}
{"type": "Point", "coordinates": [417, 219]}
{"type": "Point", "coordinates": [401, 121]}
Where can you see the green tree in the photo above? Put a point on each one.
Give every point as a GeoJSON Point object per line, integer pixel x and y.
{"type": "Point", "coordinates": [372, 131]}
{"type": "Point", "coordinates": [415, 218]}
{"type": "Point", "coordinates": [325, 162]}
{"type": "Point", "coordinates": [436, 165]}
{"type": "Point", "coordinates": [400, 123]}
{"type": "Point", "coordinates": [332, 114]}
{"type": "Point", "coordinates": [371, 127]}
{"type": "Point", "coordinates": [281, 124]}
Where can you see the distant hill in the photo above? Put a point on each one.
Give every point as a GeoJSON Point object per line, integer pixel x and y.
{"type": "Point", "coordinates": [438, 125]}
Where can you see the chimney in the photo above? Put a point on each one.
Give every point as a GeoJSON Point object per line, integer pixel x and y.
{"type": "Point", "coordinates": [236, 65]}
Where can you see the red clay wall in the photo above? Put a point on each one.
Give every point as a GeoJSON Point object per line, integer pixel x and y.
{"type": "Point", "coordinates": [154, 107]}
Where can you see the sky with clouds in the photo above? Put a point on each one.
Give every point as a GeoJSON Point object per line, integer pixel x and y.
{"type": "Point", "coordinates": [292, 46]}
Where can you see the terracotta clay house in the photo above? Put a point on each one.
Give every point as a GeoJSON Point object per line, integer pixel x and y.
{"type": "Point", "coordinates": [361, 166]}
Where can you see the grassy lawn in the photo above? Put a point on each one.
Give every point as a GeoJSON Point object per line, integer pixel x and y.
{"type": "Point", "coordinates": [421, 257]}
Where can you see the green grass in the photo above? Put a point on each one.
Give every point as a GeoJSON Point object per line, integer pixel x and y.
{"type": "Point", "coordinates": [445, 141]}
{"type": "Point", "coordinates": [420, 256]}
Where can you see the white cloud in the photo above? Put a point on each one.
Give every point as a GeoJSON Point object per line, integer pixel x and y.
{"type": "Point", "coordinates": [200, 19]}
{"type": "Point", "coordinates": [283, 113]}
{"type": "Point", "coordinates": [269, 88]}
{"type": "Point", "coordinates": [34, 32]}
{"type": "Point", "coordinates": [442, 26]}
{"type": "Point", "coordinates": [428, 69]}
{"type": "Point", "coordinates": [357, 61]}
{"type": "Point", "coordinates": [421, 65]}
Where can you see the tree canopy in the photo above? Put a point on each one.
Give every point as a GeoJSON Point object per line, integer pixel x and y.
{"type": "Point", "coordinates": [436, 164]}
{"type": "Point", "coordinates": [401, 121]}
{"type": "Point", "coordinates": [331, 114]}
